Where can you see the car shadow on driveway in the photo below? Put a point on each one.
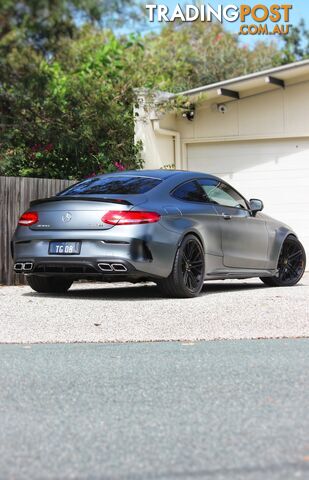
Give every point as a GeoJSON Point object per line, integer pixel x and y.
{"type": "Point", "coordinates": [144, 292]}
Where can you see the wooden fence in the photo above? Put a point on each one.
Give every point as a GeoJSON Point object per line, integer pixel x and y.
{"type": "Point", "coordinates": [15, 195]}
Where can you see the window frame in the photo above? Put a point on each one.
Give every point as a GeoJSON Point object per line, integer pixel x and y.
{"type": "Point", "coordinates": [232, 188]}
{"type": "Point", "coordinates": [191, 180]}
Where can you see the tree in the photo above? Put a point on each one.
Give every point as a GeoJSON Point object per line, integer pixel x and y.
{"type": "Point", "coordinates": [67, 85]}
{"type": "Point", "coordinates": [43, 23]}
{"type": "Point", "coordinates": [184, 56]}
{"type": "Point", "coordinates": [296, 44]}
{"type": "Point", "coordinates": [71, 117]}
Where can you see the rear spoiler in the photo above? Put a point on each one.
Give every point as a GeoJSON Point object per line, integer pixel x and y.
{"type": "Point", "coordinates": [119, 201]}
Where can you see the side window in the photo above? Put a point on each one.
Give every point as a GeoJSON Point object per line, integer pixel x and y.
{"type": "Point", "coordinates": [222, 194]}
{"type": "Point", "coordinates": [190, 191]}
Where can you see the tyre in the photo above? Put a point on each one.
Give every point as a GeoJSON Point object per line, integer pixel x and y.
{"type": "Point", "coordinates": [49, 285]}
{"type": "Point", "coordinates": [291, 264]}
{"type": "Point", "coordinates": [187, 277]}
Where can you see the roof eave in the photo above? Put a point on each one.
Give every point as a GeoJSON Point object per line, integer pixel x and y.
{"type": "Point", "coordinates": [244, 78]}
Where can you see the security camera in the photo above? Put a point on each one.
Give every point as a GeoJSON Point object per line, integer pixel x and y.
{"type": "Point", "coordinates": [189, 113]}
{"type": "Point", "coordinates": [222, 108]}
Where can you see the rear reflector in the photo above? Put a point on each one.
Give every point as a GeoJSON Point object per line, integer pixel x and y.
{"type": "Point", "coordinates": [115, 217]}
{"type": "Point", "coordinates": [28, 218]}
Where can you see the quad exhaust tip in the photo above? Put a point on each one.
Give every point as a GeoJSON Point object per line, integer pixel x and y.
{"type": "Point", "coordinates": [119, 267]}
{"type": "Point", "coordinates": [112, 267]}
{"type": "Point", "coordinates": [20, 267]}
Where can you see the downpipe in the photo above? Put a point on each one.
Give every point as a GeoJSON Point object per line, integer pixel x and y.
{"type": "Point", "coordinates": [170, 133]}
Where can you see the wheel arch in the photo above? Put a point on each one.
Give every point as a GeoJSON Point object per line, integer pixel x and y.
{"type": "Point", "coordinates": [195, 234]}
{"type": "Point", "coordinates": [281, 235]}
{"type": "Point", "coordinates": [183, 235]}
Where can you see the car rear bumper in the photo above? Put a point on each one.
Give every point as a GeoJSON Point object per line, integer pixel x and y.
{"type": "Point", "coordinates": [150, 255]}
{"type": "Point", "coordinates": [107, 269]}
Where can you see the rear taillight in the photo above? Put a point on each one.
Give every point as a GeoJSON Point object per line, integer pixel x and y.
{"type": "Point", "coordinates": [115, 217]}
{"type": "Point", "coordinates": [28, 218]}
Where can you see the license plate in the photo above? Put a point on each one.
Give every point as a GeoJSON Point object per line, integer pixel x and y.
{"type": "Point", "coordinates": [64, 248]}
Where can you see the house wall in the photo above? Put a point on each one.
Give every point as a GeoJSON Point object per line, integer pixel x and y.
{"type": "Point", "coordinates": [260, 145]}
{"type": "Point", "coordinates": [158, 150]}
{"type": "Point", "coordinates": [279, 113]}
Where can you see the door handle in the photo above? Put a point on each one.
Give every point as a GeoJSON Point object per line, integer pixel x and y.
{"type": "Point", "coordinates": [226, 217]}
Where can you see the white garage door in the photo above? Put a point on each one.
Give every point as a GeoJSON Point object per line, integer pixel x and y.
{"type": "Point", "coordinates": [277, 171]}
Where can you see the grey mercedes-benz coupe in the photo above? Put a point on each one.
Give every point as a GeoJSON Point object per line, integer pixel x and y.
{"type": "Point", "coordinates": [176, 228]}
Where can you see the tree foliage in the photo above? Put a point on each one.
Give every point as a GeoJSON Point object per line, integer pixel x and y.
{"type": "Point", "coordinates": [185, 56]}
{"type": "Point", "coordinates": [67, 84]}
{"type": "Point", "coordinates": [296, 44]}
{"type": "Point", "coordinates": [44, 23]}
{"type": "Point", "coordinates": [71, 116]}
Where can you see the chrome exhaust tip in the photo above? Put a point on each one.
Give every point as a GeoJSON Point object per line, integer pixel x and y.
{"type": "Point", "coordinates": [112, 267]}
{"type": "Point", "coordinates": [18, 267]}
{"type": "Point", "coordinates": [119, 267]}
{"type": "Point", "coordinates": [105, 267]}
{"type": "Point", "coordinates": [28, 266]}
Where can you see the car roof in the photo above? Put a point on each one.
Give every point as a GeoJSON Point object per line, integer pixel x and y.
{"type": "Point", "coordinates": [163, 174]}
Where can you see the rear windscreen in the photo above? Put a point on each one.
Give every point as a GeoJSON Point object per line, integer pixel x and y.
{"type": "Point", "coordinates": [124, 185]}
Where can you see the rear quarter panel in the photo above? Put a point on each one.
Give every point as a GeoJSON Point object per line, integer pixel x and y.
{"type": "Point", "coordinates": [201, 219]}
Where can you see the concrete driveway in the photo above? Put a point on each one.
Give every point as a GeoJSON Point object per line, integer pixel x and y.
{"type": "Point", "coordinates": [122, 313]}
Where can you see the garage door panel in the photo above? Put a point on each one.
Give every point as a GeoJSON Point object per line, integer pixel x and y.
{"type": "Point", "coordinates": [277, 193]}
{"type": "Point", "coordinates": [275, 147]}
{"type": "Point", "coordinates": [230, 158]}
{"type": "Point", "coordinates": [289, 212]}
{"type": "Point", "coordinates": [244, 166]}
{"type": "Point", "coordinates": [271, 178]}
{"type": "Point", "coordinates": [277, 171]}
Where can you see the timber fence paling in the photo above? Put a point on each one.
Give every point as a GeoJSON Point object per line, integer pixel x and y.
{"type": "Point", "coordinates": [16, 193]}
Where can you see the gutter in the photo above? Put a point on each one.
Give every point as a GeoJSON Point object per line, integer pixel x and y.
{"type": "Point", "coordinates": [244, 78]}
{"type": "Point", "coordinates": [170, 133]}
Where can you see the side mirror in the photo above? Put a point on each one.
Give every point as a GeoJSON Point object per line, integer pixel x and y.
{"type": "Point", "coordinates": [256, 205]}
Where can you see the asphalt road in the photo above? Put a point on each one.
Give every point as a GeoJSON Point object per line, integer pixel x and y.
{"type": "Point", "coordinates": [210, 410]}
{"type": "Point", "coordinates": [122, 313]}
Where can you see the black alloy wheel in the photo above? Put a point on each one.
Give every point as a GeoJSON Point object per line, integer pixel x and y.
{"type": "Point", "coordinates": [192, 265]}
{"type": "Point", "coordinates": [187, 277]}
{"type": "Point", "coordinates": [291, 264]}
